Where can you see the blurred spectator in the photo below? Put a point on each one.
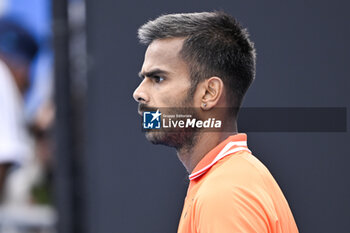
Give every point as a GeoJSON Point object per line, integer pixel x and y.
{"type": "Point", "coordinates": [17, 51]}
{"type": "Point", "coordinates": [35, 16]}
{"type": "Point", "coordinates": [24, 156]}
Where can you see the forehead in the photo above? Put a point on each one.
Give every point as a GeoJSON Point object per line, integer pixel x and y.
{"type": "Point", "coordinates": [164, 54]}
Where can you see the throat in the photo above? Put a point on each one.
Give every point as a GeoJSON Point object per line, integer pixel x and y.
{"type": "Point", "coordinates": [191, 155]}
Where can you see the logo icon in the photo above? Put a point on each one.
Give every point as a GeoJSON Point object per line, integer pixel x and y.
{"type": "Point", "coordinates": [151, 120]}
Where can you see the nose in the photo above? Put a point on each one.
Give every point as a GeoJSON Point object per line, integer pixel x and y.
{"type": "Point", "coordinates": [140, 94]}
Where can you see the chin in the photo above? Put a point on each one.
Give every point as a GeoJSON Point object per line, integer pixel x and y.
{"type": "Point", "coordinates": [163, 138]}
{"type": "Point", "coordinates": [156, 137]}
{"type": "Point", "coordinates": [176, 139]}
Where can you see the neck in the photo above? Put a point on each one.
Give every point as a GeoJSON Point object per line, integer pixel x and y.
{"type": "Point", "coordinates": [205, 142]}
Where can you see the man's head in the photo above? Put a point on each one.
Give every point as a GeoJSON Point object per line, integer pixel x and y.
{"type": "Point", "coordinates": [202, 60]}
{"type": "Point", "coordinates": [214, 45]}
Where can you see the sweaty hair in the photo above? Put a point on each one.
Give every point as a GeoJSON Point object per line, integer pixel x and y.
{"type": "Point", "coordinates": [215, 45]}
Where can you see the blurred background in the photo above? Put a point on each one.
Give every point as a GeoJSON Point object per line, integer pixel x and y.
{"type": "Point", "coordinates": [73, 158]}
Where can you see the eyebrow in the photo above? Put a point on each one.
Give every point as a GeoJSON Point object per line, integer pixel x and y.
{"type": "Point", "coordinates": [152, 73]}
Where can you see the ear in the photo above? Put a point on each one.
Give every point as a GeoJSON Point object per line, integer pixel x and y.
{"type": "Point", "coordinates": [213, 89]}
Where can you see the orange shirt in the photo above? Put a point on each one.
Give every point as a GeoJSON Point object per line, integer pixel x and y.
{"type": "Point", "coordinates": [232, 191]}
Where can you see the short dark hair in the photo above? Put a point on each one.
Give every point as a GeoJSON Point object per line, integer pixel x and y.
{"type": "Point", "coordinates": [215, 45]}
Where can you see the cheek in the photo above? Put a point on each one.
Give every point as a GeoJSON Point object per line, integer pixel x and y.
{"type": "Point", "coordinates": [167, 100]}
{"type": "Point", "coordinates": [176, 99]}
{"type": "Point", "coordinates": [170, 94]}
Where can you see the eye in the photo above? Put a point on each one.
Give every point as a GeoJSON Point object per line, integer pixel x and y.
{"type": "Point", "coordinates": [158, 79]}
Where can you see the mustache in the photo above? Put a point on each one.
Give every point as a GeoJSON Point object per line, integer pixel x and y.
{"type": "Point", "coordinates": [145, 108]}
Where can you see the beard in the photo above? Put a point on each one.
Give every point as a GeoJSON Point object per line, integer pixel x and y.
{"type": "Point", "coordinates": [179, 138]}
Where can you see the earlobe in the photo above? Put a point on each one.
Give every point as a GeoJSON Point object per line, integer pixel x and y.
{"type": "Point", "coordinates": [213, 91]}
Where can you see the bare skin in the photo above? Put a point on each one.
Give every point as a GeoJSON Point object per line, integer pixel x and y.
{"type": "Point", "coordinates": [166, 84]}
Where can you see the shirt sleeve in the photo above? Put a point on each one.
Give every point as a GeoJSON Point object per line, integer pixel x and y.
{"type": "Point", "coordinates": [13, 135]}
{"type": "Point", "coordinates": [235, 211]}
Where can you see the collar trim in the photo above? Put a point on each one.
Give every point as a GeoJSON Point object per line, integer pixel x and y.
{"type": "Point", "coordinates": [231, 145]}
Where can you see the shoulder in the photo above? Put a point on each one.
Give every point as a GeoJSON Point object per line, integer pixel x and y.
{"type": "Point", "coordinates": [235, 195]}
{"type": "Point", "coordinates": [236, 172]}
{"type": "Point", "coordinates": [238, 182]}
